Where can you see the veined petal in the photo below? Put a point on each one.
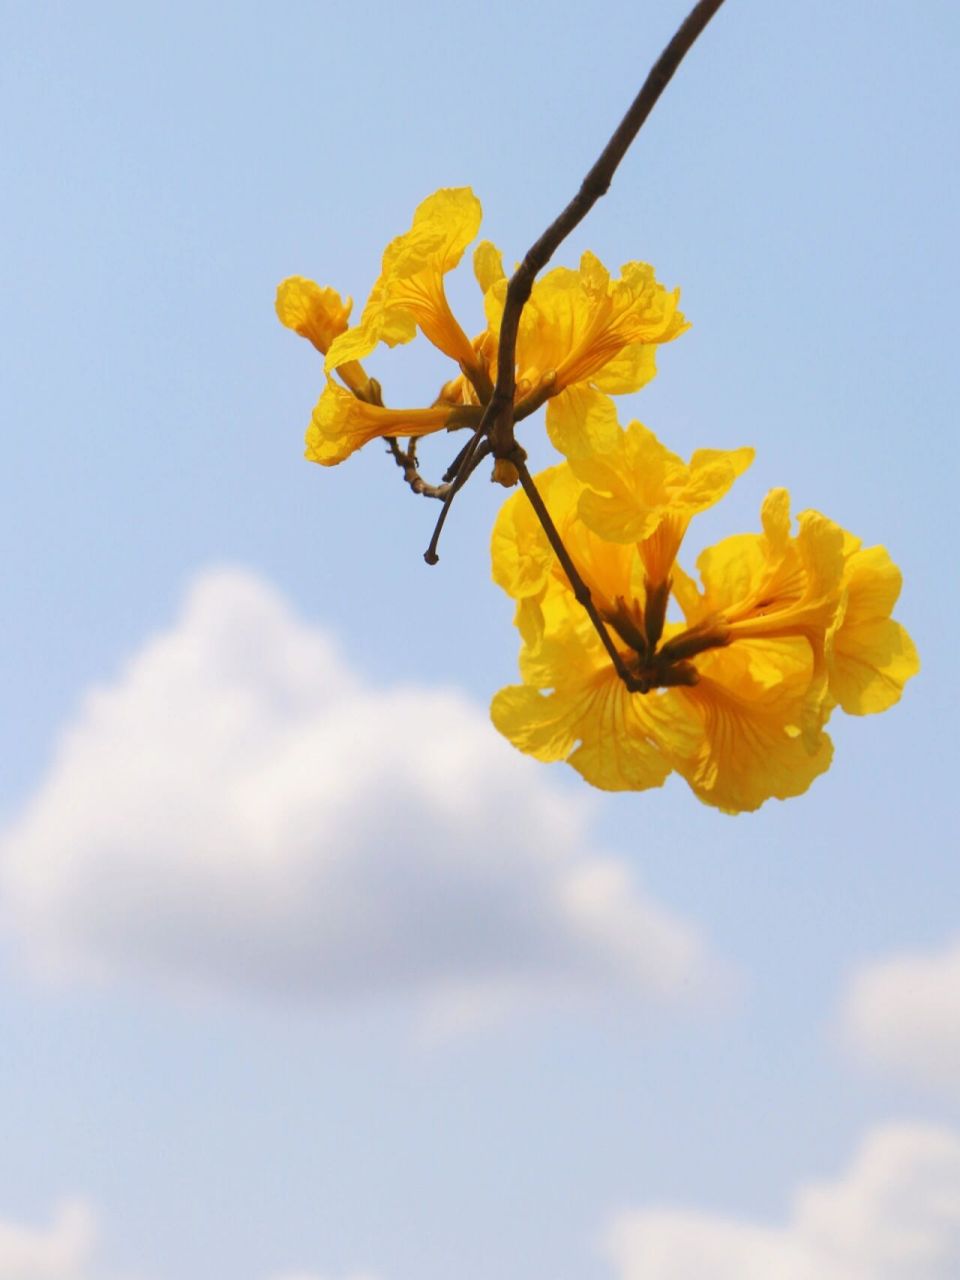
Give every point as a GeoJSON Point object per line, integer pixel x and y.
{"type": "Point", "coordinates": [524, 563]}
{"type": "Point", "coordinates": [522, 559]}
{"type": "Point", "coordinates": [869, 664]}
{"type": "Point", "coordinates": [870, 657]}
{"type": "Point", "coordinates": [641, 492]}
{"type": "Point", "coordinates": [799, 592]}
{"type": "Point", "coordinates": [752, 699]}
{"type": "Point", "coordinates": [772, 583]}
{"type": "Point", "coordinates": [341, 424]}
{"type": "Point", "coordinates": [318, 314]}
{"type": "Point", "coordinates": [582, 422]}
{"type": "Point", "coordinates": [610, 736]}
{"type": "Point", "coordinates": [409, 292]}
{"type": "Point", "coordinates": [586, 328]}
{"type": "Point", "coordinates": [631, 370]}
{"type": "Point", "coordinates": [488, 265]}
{"type": "Point", "coordinates": [391, 326]}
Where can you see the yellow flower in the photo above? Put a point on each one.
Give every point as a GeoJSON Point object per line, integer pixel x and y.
{"type": "Point", "coordinates": [817, 586]}
{"type": "Point", "coordinates": [735, 699]}
{"type": "Point", "coordinates": [616, 739]}
{"type": "Point", "coordinates": [409, 291]}
{"type": "Point", "coordinates": [805, 623]}
{"type": "Point", "coordinates": [636, 490]}
{"type": "Point", "coordinates": [619, 741]}
{"type": "Point", "coordinates": [316, 313]}
{"type": "Point", "coordinates": [582, 333]}
{"type": "Point", "coordinates": [342, 423]}
{"type": "Point", "coordinates": [752, 700]}
{"type": "Point", "coordinates": [582, 337]}
{"type": "Point", "coordinates": [582, 327]}
{"type": "Point", "coordinates": [320, 315]}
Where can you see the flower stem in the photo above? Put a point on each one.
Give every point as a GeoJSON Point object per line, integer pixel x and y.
{"type": "Point", "coordinates": [580, 589]}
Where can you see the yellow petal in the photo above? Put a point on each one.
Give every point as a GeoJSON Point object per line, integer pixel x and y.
{"type": "Point", "coordinates": [443, 226]}
{"type": "Point", "coordinates": [409, 291]}
{"type": "Point", "coordinates": [873, 584]}
{"type": "Point", "coordinates": [641, 492]}
{"type": "Point", "coordinates": [606, 733]}
{"type": "Point", "coordinates": [582, 422]}
{"type": "Point", "coordinates": [538, 725]}
{"type": "Point", "coordinates": [522, 558]}
{"type": "Point", "coordinates": [589, 329]}
{"type": "Point", "coordinates": [341, 424]}
{"type": "Point", "coordinates": [316, 313]}
{"type": "Point", "coordinates": [870, 656]}
{"type": "Point", "coordinates": [752, 698]}
{"type": "Point", "coordinates": [870, 662]}
{"type": "Point", "coordinates": [631, 370]}
{"type": "Point", "coordinates": [488, 265]}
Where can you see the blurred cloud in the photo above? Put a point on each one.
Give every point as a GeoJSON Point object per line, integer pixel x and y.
{"type": "Point", "coordinates": [63, 1251]}
{"type": "Point", "coordinates": [903, 1013]}
{"type": "Point", "coordinates": [893, 1215]}
{"type": "Point", "coordinates": [241, 811]}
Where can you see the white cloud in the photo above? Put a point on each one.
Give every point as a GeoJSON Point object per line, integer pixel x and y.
{"type": "Point", "coordinates": [240, 810]}
{"type": "Point", "coordinates": [61, 1252]}
{"type": "Point", "coordinates": [904, 1014]}
{"type": "Point", "coordinates": [894, 1215]}
{"type": "Point", "coordinates": [65, 1250]}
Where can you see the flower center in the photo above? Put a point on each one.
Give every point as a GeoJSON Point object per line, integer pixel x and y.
{"type": "Point", "coordinates": [653, 665]}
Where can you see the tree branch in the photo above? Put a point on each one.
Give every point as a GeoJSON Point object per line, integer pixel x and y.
{"type": "Point", "coordinates": [580, 589]}
{"type": "Point", "coordinates": [499, 426]}
{"type": "Point", "coordinates": [499, 413]}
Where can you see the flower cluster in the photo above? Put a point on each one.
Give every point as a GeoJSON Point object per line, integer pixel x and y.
{"type": "Point", "coordinates": [783, 627]}
{"type": "Point", "coordinates": [580, 330]}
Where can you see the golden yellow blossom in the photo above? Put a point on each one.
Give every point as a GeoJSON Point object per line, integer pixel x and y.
{"type": "Point", "coordinates": [409, 292]}
{"type": "Point", "coordinates": [583, 330]}
{"type": "Point", "coordinates": [636, 489]}
{"type": "Point", "coordinates": [582, 333]}
{"type": "Point", "coordinates": [582, 327]}
{"type": "Point", "coordinates": [342, 423]}
{"type": "Point", "coordinates": [618, 741]}
{"type": "Point", "coordinates": [752, 699]}
{"type": "Point", "coordinates": [735, 699]}
{"type": "Point", "coordinates": [320, 315]}
{"type": "Point", "coordinates": [316, 313]}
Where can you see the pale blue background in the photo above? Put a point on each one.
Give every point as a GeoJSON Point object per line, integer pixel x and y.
{"type": "Point", "coordinates": [163, 166]}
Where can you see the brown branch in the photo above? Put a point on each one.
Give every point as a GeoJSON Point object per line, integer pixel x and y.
{"type": "Point", "coordinates": [406, 460]}
{"type": "Point", "coordinates": [594, 185]}
{"type": "Point", "coordinates": [499, 413]}
{"type": "Point", "coordinates": [468, 458]}
{"type": "Point", "coordinates": [459, 470]}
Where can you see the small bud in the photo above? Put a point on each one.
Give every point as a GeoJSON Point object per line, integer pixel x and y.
{"type": "Point", "coordinates": [505, 473]}
{"type": "Point", "coordinates": [374, 392]}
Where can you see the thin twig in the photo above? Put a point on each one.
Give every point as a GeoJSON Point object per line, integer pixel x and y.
{"type": "Point", "coordinates": [406, 460]}
{"type": "Point", "coordinates": [580, 589]}
{"type": "Point", "coordinates": [499, 413]}
{"type": "Point", "coordinates": [594, 185]}
{"type": "Point", "coordinates": [464, 470]}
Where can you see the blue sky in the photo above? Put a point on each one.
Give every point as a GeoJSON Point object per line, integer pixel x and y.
{"type": "Point", "coordinates": [304, 974]}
